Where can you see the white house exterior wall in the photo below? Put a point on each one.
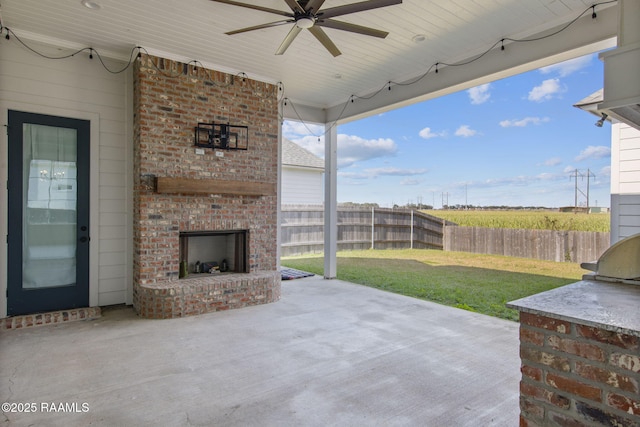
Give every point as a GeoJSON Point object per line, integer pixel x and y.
{"type": "Point", "coordinates": [625, 181]}
{"type": "Point", "coordinates": [301, 186]}
{"type": "Point", "coordinates": [81, 88]}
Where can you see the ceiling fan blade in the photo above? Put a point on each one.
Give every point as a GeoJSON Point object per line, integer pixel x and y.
{"type": "Point", "coordinates": [254, 7]}
{"type": "Point", "coordinates": [345, 26]}
{"type": "Point", "coordinates": [295, 6]}
{"type": "Point", "coordinates": [325, 40]}
{"type": "Point", "coordinates": [259, 27]}
{"type": "Point", "coordinates": [332, 12]}
{"type": "Point", "coordinates": [313, 5]}
{"type": "Point", "coordinates": [288, 39]}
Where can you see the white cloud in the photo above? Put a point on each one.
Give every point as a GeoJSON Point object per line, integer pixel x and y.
{"type": "Point", "coordinates": [510, 180]}
{"type": "Point", "coordinates": [395, 171]}
{"type": "Point", "coordinates": [353, 175]}
{"type": "Point", "coordinates": [479, 94]}
{"type": "Point", "coordinates": [294, 130]}
{"type": "Point", "coordinates": [312, 143]}
{"type": "Point", "coordinates": [524, 122]}
{"type": "Point", "coordinates": [372, 173]}
{"type": "Point", "coordinates": [594, 152]}
{"type": "Point", "coordinates": [427, 133]}
{"type": "Point", "coordinates": [569, 168]}
{"type": "Point", "coordinates": [351, 148]}
{"type": "Point", "coordinates": [605, 171]}
{"type": "Point", "coordinates": [519, 180]}
{"type": "Point", "coordinates": [410, 181]}
{"type": "Point", "coordinates": [465, 131]}
{"type": "Point", "coordinates": [553, 161]}
{"type": "Point", "coordinates": [545, 91]}
{"type": "Point", "coordinates": [546, 176]}
{"type": "Point", "coordinates": [567, 67]}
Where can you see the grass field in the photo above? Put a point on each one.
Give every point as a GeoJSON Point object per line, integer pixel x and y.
{"type": "Point", "coordinates": [540, 220]}
{"type": "Point", "coordinates": [480, 283]}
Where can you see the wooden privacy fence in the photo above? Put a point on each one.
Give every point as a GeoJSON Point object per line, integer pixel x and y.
{"type": "Point", "coordinates": [571, 246]}
{"type": "Point", "coordinates": [378, 228]}
{"type": "Point", "coordinates": [302, 229]}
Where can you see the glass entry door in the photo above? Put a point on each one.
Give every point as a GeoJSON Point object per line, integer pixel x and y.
{"type": "Point", "coordinates": [48, 253]}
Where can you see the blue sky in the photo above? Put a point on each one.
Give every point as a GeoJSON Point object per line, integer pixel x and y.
{"type": "Point", "coordinates": [515, 141]}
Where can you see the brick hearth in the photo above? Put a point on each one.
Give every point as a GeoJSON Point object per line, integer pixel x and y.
{"type": "Point", "coordinates": [202, 295]}
{"type": "Point", "coordinates": [170, 99]}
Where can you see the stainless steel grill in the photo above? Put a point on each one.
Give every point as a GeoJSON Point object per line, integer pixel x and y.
{"type": "Point", "coordinates": [619, 263]}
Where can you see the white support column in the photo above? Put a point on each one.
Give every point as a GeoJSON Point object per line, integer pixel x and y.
{"type": "Point", "coordinates": [330, 201]}
{"type": "Point", "coordinates": [621, 65]}
{"type": "Point", "coordinates": [279, 190]}
{"type": "Point", "coordinates": [622, 88]}
{"type": "Point", "coordinates": [628, 22]}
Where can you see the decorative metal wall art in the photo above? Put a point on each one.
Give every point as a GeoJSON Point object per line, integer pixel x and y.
{"type": "Point", "coordinates": [222, 136]}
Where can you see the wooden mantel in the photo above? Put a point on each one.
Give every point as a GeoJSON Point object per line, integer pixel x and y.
{"type": "Point", "coordinates": [169, 185]}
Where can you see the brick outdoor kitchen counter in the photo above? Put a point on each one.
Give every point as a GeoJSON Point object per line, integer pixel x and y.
{"type": "Point", "coordinates": [580, 353]}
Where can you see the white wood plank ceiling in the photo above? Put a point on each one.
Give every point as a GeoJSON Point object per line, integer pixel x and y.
{"type": "Point", "coordinates": [453, 30]}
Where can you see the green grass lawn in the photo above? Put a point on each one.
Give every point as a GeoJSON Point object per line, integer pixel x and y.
{"type": "Point", "coordinates": [475, 282]}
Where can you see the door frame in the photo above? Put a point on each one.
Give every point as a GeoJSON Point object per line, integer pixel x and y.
{"type": "Point", "coordinates": [73, 290]}
{"type": "Point", "coordinates": [94, 189]}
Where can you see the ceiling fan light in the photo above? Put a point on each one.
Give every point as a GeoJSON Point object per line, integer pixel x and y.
{"type": "Point", "coordinates": [305, 22]}
{"type": "Point", "coordinates": [89, 4]}
{"type": "Point", "coordinates": [418, 38]}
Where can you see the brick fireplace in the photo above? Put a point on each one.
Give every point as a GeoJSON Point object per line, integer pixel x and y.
{"type": "Point", "coordinates": [183, 190]}
{"type": "Point", "coordinates": [213, 252]}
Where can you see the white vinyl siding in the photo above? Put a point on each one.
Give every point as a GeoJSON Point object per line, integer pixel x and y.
{"type": "Point", "coordinates": [301, 186]}
{"type": "Point", "coordinates": [80, 87]}
{"type": "Point", "coordinates": [625, 181]}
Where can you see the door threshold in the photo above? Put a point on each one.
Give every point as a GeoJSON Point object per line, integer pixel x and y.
{"type": "Point", "coordinates": [50, 318]}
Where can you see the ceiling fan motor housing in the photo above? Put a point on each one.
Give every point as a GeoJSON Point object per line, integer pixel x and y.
{"type": "Point", "coordinates": [305, 22]}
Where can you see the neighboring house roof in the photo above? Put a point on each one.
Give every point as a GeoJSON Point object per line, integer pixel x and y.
{"type": "Point", "coordinates": [295, 155]}
{"type": "Point", "coordinates": [591, 102]}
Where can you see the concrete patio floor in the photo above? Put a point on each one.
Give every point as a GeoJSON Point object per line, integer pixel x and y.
{"type": "Point", "coordinates": [329, 353]}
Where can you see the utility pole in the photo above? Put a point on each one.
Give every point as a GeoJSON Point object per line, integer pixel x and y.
{"type": "Point", "coordinates": [589, 175]}
{"type": "Point", "coordinates": [466, 199]}
{"type": "Point", "coordinates": [574, 175]}
{"type": "Point", "coordinates": [445, 201]}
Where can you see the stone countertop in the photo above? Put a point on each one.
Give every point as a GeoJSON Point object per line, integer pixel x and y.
{"type": "Point", "coordinates": [611, 306]}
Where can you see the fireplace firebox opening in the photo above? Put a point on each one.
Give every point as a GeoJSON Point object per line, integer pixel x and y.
{"type": "Point", "coordinates": [213, 252]}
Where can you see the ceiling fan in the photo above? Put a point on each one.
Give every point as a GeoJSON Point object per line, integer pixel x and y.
{"type": "Point", "coordinates": [306, 14]}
